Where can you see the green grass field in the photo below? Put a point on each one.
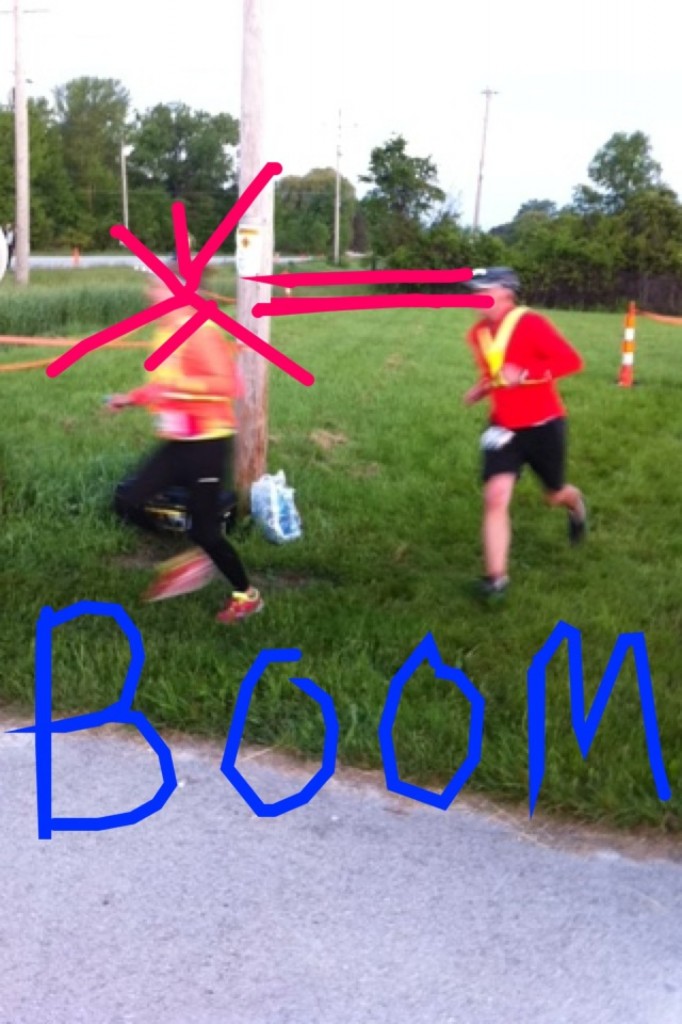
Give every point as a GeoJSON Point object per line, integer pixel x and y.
{"type": "Point", "coordinates": [384, 459]}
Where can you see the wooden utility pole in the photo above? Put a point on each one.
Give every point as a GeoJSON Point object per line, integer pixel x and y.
{"type": "Point", "coordinates": [488, 93]}
{"type": "Point", "coordinates": [22, 219]}
{"type": "Point", "coordinates": [254, 254]}
{"type": "Point", "coordinates": [337, 198]}
{"type": "Point", "coordinates": [124, 181]}
{"type": "Point", "coordinates": [22, 177]}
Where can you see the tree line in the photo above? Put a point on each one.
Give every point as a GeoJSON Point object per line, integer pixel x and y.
{"type": "Point", "coordinates": [76, 143]}
{"type": "Point", "coordinates": [87, 140]}
{"type": "Point", "coordinates": [620, 237]}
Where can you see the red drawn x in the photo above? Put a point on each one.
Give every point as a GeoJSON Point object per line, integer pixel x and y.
{"type": "Point", "coordinates": [186, 294]}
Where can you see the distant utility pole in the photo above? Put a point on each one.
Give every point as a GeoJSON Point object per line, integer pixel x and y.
{"type": "Point", "coordinates": [337, 199]}
{"type": "Point", "coordinates": [488, 93]}
{"type": "Point", "coordinates": [125, 153]}
{"type": "Point", "coordinates": [254, 253]}
{"type": "Point", "coordinates": [22, 215]}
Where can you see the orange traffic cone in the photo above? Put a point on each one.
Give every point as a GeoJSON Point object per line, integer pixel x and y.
{"type": "Point", "coordinates": [626, 378]}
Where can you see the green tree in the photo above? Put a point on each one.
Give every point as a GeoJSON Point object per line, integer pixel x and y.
{"type": "Point", "coordinates": [403, 192]}
{"type": "Point", "coordinates": [587, 201]}
{"type": "Point", "coordinates": [621, 169]}
{"type": "Point", "coordinates": [53, 206]}
{"type": "Point", "coordinates": [181, 154]}
{"type": "Point", "coordinates": [569, 261]}
{"type": "Point", "coordinates": [304, 212]}
{"type": "Point", "coordinates": [6, 165]}
{"type": "Point", "coordinates": [445, 244]}
{"type": "Point", "coordinates": [537, 208]}
{"type": "Point", "coordinates": [360, 238]}
{"type": "Point", "coordinates": [91, 114]}
{"type": "Point", "coordinates": [528, 214]}
{"type": "Point", "coordinates": [652, 226]}
{"type": "Point", "coordinates": [52, 201]}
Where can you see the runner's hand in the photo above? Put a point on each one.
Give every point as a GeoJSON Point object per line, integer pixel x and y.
{"type": "Point", "coordinates": [476, 393]}
{"type": "Point", "coordinates": [117, 402]}
{"type": "Point", "coordinates": [512, 374]}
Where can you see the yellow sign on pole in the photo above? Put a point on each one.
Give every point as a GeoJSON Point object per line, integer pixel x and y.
{"type": "Point", "coordinates": [249, 250]}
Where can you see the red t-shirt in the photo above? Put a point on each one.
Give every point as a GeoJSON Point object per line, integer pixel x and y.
{"type": "Point", "coordinates": [536, 346]}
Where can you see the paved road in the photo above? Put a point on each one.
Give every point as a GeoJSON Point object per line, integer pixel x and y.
{"type": "Point", "coordinates": [357, 909]}
{"type": "Point", "coordinates": [121, 260]}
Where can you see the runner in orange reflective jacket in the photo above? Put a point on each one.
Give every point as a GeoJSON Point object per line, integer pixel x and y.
{"type": "Point", "coordinates": [192, 396]}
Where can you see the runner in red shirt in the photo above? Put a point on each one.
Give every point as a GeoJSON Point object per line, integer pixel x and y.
{"type": "Point", "coordinates": [520, 354]}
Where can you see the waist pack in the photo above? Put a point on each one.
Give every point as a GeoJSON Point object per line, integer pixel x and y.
{"type": "Point", "coordinates": [274, 509]}
{"type": "Point", "coordinates": [167, 512]}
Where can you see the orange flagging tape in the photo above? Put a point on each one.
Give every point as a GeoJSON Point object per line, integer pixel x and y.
{"type": "Point", "coordinates": [10, 339]}
{"type": "Point", "coordinates": [661, 319]}
{"type": "Point", "coordinates": [226, 299]}
{"type": "Point", "coordinates": [219, 298]}
{"type": "Point", "coordinates": [24, 366]}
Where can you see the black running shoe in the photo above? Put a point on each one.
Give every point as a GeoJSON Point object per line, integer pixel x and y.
{"type": "Point", "coordinates": [492, 589]}
{"type": "Point", "coordinates": [577, 524]}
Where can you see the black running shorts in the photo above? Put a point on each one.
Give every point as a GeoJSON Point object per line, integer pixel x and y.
{"type": "Point", "coordinates": [543, 448]}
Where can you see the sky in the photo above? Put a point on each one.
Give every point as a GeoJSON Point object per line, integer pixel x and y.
{"type": "Point", "coordinates": [567, 76]}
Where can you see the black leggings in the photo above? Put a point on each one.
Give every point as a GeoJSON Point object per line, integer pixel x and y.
{"type": "Point", "coordinates": [199, 467]}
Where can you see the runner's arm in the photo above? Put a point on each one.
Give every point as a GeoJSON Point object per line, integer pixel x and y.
{"type": "Point", "coordinates": [485, 383]}
{"type": "Point", "coordinates": [553, 357]}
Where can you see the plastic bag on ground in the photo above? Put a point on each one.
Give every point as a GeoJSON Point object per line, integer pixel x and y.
{"type": "Point", "coordinates": [274, 509]}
